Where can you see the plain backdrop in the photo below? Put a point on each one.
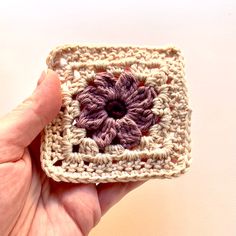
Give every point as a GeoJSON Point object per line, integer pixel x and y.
{"type": "Point", "coordinates": [202, 202]}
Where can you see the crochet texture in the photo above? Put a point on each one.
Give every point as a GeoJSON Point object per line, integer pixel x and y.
{"type": "Point", "coordinates": [125, 115]}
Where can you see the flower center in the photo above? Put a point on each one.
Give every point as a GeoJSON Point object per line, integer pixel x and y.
{"type": "Point", "coordinates": [116, 109]}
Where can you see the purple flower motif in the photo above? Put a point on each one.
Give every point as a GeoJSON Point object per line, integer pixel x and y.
{"type": "Point", "coordinates": [116, 111]}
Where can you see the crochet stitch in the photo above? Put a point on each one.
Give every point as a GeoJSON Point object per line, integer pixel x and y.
{"type": "Point", "coordinates": [119, 110]}
{"type": "Point", "coordinates": [125, 115]}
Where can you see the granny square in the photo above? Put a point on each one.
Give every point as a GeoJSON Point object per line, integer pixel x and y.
{"type": "Point", "coordinates": [125, 115]}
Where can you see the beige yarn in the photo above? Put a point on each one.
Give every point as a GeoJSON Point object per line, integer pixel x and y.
{"type": "Point", "coordinates": [164, 153]}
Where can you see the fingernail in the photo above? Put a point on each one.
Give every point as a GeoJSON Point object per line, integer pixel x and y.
{"type": "Point", "coordinates": [41, 78]}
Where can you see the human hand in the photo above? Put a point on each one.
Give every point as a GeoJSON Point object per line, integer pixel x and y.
{"type": "Point", "coordinates": [30, 202]}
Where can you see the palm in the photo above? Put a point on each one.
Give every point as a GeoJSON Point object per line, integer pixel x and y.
{"type": "Point", "coordinates": [65, 209]}
{"type": "Point", "coordinates": [30, 202]}
{"type": "Point", "coordinates": [47, 207]}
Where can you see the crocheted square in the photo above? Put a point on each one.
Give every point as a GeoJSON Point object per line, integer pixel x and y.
{"type": "Point", "coordinates": [125, 115]}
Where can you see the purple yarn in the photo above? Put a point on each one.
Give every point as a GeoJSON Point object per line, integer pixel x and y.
{"type": "Point", "coordinates": [116, 111]}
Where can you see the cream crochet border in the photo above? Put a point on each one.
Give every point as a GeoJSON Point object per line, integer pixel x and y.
{"type": "Point", "coordinates": [164, 153]}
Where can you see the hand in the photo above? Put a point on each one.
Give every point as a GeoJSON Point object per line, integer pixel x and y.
{"type": "Point", "coordinates": [30, 202]}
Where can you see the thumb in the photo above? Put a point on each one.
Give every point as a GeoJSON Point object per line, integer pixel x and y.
{"type": "Point", "coordinates": [27, 120]}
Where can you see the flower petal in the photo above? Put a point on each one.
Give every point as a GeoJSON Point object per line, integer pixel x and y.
{"type": "Point", "coordinates": [106, 133]}
{"type": "Point", "coordinates": [108, 93]}
{"type": "Point", "coordinates": [139, 107]}
{"type": "Point", "coordinates": [104, 80]}
{"type": "Point", "coordinates": [105, 85]}
{"type": "Point", "coordinates": [144, 119]}
{"type": "Point", "coordinates": [126, 85]}
{"type": "Point", "coordinates": [142, 98]}
{"type": "Point", "coordinates": [91, 119]}
{"type": "Point", "coordinates": [128, 133]}
{"type": "Point", "coordinates": [91, 99]}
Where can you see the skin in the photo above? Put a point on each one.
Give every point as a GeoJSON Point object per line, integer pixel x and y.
{"type": "Point", "coordinates": [30, 202]}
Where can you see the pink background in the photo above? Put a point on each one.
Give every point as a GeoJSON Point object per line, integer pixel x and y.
{"type": "Point", "coordinates": [202, 202]}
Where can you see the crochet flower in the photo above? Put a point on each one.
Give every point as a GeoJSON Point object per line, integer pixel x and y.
{"type": "Point", "coordinates": [116, 111]}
